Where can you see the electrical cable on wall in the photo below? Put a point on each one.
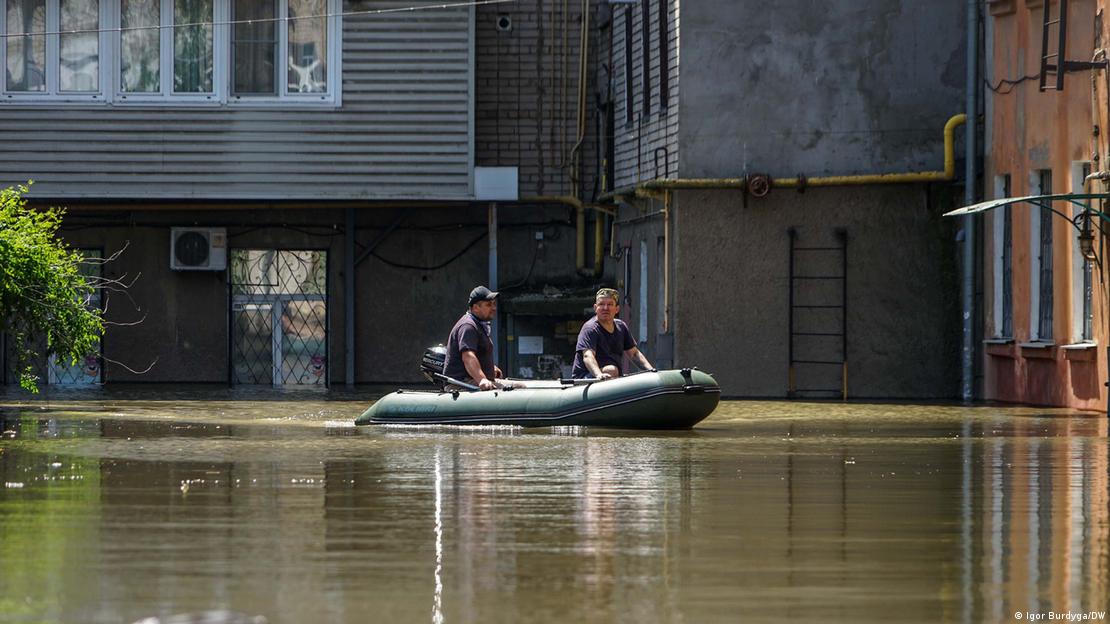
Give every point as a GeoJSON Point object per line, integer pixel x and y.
{"type": "Point", "coordinates": [1010, 83]}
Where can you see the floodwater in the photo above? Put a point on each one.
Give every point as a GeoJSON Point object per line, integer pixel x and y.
{"type": "Point", "coordinates": [126, 506]}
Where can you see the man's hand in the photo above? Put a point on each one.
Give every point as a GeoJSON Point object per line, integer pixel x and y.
{"type": "Point", "coordinates": [486, 384]}
{"type": "Point", "coordinates": [603, 376]}
{"type": "Point", "coordinates": [497, 374]}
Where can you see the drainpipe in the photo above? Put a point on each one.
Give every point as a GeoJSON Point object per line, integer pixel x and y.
{"type": "Point", "coordinates": [599, 242]}
{"type": "Point", "coordinates": [667, 262]}
{"type": "Point", "coordinates": [580, 239]}
{"type": "Point", "coordinates": [967, 290]}
{"type": "Point", "coordinates": [349, 298]}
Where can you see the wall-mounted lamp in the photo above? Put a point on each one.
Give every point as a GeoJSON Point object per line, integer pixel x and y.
{"type": "Point", "coordinates": [1087, 239]}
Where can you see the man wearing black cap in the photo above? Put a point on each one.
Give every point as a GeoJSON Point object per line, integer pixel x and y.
{"type": "Point", "coordinates": [469, 347]}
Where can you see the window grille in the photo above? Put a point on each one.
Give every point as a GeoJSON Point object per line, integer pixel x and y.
{"type": "Point", "coordinates": [1008, 267]}
{"type": "Point", "coordinates": [1044, 313]}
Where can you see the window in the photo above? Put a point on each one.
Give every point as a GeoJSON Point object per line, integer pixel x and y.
{"type": "Point", "coordinates": [645, 57]}
{"type": "Point", "coordinates": [262, 53]}
{"type": "Point", "coordinates": [1082, 285]}
{"type": "Point", "coordinates": [628, 67]}
{"type": "Point", "coordinates": [1003, 227]}
{"type": "Point", "coordinates": [52, 47]}
{"type": "Point", "coordinates": [149, 51]}
{"type": "Point", "coordinates": [664, 56]}
{"type": "Point", "coordinates": [1042, 275]}
{"type": "Point", "coordinates": [642, 294]}
{"type": "Point", "coordinates": [167, 47]}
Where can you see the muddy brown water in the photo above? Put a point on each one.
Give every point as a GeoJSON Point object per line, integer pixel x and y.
{"type": "Point", "coordinates": [142, 504]}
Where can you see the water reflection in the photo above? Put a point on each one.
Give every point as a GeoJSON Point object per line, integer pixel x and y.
{"type": "Point", "coordinates": [768, 512]}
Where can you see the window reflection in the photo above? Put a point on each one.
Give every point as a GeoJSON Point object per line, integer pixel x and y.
{"type": "Point", "coordinates": [27, 53]}
{"type": "Point", "coordinates": [308, 44]}
{"type": "Point", "coordinates": [192, 46]}
{"type": "Point", "coordinates": [80, 51]}
{"type": "Point", "coordinates": [140, 46]}
{"type": "Point", "coordinates": [254, 48]}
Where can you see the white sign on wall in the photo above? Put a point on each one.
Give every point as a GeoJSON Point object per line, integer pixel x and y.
{"type": "Point", "coordinates": [529, 345]}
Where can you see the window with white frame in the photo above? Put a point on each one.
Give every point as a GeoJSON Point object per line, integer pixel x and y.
{"type": "Point", "coordinates": [1041, 275]}
{"type": "Point", "coordinates": [167, 47]}
{"type": "Point", "coordinates": [149, 51]}
{"type": "Point", "coordinates": [1002, 230]}
{"type": "Point", "coordinates": [52, 47]}
{"type": "Point", "coordinates": [1081, 283]}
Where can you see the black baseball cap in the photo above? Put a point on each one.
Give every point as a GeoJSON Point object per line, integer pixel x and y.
{"type": "Point", "coordinates": [481, 293]}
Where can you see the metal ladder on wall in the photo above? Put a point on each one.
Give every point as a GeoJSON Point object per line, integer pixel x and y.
{"type": "Point", "coordinates": [815, 325]}
{"type": "Point", "coordinates": [1056, 63]}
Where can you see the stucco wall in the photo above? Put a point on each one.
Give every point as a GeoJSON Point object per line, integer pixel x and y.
{"type": "Point", "coordinates": [817, 88]}
{"type": "Point", "coordinates": [731, 288]}
{"type": "Point", "coordinates": [1034, 131]}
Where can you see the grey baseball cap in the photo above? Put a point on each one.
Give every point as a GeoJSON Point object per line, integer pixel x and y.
{"type": "Point", "coordinates": [481, 293]}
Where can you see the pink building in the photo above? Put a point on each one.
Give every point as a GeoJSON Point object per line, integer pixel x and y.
{"type": "Point", "coordinates": [1044, 304]}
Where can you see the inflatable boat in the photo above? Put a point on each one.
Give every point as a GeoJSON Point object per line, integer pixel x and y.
{"type": "Point", "coordinates": [667, 399]}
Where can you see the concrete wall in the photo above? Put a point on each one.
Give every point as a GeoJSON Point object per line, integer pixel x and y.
{"type": "Point", "coordinates": [731, 289]}
{"type": "Point", "coordinates": [400, 311]}
{"type": "Point", "coordinates": [818, 88]}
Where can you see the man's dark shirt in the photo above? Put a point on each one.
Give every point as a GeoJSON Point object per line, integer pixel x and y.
{"type": "Point", "coordinates": [608, 347]}
{"type": "Point", "coordinates": [468, 335]}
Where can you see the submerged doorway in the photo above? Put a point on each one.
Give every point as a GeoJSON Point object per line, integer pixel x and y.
{"type": "Point", "coordinates": [279, 311]}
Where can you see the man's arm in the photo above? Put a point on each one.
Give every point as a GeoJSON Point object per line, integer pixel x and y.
{"type": "Point", "coordinates": [637, 356]}
{"type": "Point", "coordinates": [589, 358]}
{"type": "Point", "coordinates": [474, 369]}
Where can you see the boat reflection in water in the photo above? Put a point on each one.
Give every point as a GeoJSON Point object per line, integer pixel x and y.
{"type": "Point", "coordinates": [121, 510]}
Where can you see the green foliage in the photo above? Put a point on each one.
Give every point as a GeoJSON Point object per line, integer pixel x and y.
{"type": "Point", "coordinates": [43, 296]}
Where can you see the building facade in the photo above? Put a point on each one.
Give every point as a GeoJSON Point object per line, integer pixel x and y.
{"type": "Point", "coordinates": [781, 190]}
{"type": "Point", "coordinates": [716, 161]}
{"type": "Point", "coordinates": [1044, 316]}
{"type": "Point", "coordinates": [287, 190]}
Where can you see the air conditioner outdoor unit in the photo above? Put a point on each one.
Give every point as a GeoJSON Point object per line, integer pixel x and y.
{"type": "Point", "coordinates": [198, 249]}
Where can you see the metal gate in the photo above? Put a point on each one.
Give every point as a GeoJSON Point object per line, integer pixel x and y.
{"type": "Point", "coordinates": [279, 329]}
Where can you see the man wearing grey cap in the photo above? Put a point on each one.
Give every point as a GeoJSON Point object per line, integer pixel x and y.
{"type": "Point", "coordinates": [469, 347]}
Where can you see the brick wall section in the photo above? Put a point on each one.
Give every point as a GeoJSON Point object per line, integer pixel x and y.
{"type": "Point", "coordinates": [526, 88]}
{"type": "Point", "coordinates": [638, 140]}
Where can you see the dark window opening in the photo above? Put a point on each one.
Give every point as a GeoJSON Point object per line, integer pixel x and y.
{"type": "Point", "coordinates": [1044, 313]}
{"type": "Point", "coordinates": [645, 56]}
{"type": "Point", "coordinates": [664, 56]}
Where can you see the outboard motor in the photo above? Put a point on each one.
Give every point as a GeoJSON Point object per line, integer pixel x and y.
{"type": "Point", "coordinates": [432, 363]}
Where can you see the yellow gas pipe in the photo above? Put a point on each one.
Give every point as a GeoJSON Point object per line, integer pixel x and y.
{"type": "Point", "coordinates": [652, 188]}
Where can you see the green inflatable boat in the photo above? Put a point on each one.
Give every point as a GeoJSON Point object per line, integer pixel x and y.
{"type": "Point", "coordinates": [667, 399]}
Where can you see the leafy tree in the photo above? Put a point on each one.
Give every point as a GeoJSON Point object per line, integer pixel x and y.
{"type": "Point", "coordinates": [43, 296]}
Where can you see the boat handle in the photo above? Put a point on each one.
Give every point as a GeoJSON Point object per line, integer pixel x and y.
{"type": "Point", "coordinates": [454, 382]}
{"type": "Point", "coordinates": [578, 382]}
